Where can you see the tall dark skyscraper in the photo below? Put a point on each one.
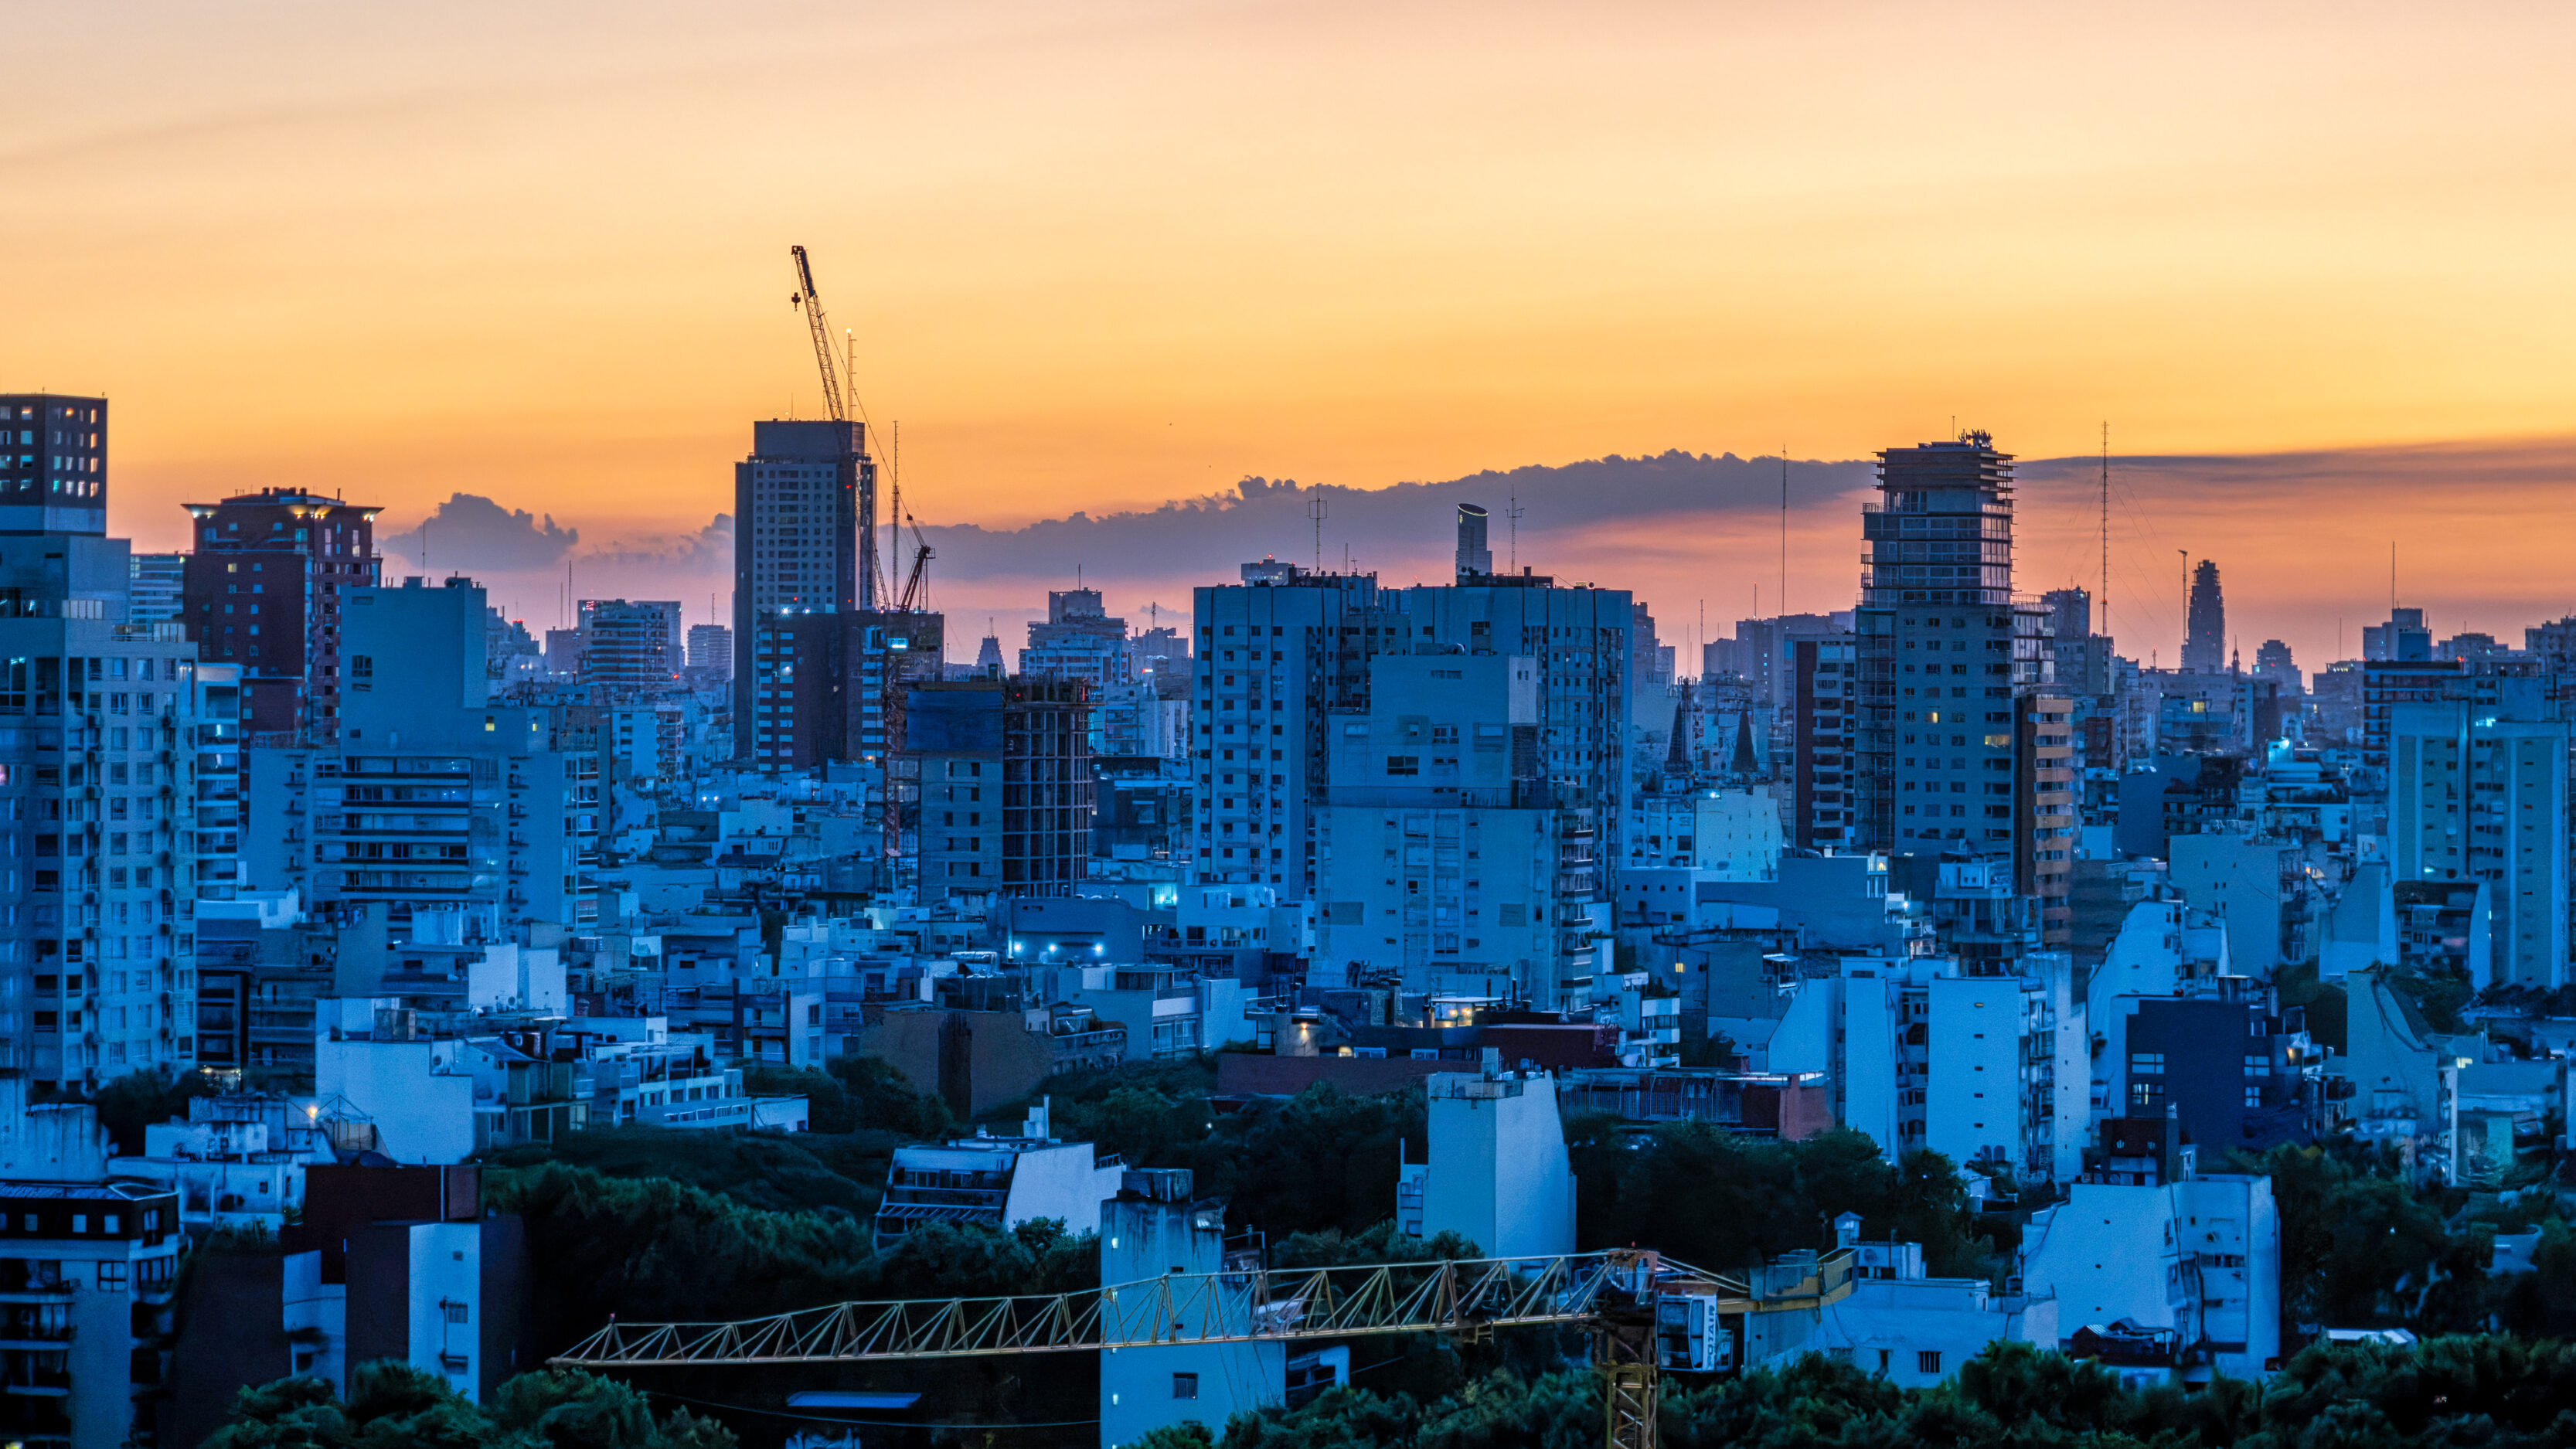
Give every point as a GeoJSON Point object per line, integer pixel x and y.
{"type": "Point", "coordinates": [804, 503]}
{"type": "Point", "coordinates": [2204, 646]}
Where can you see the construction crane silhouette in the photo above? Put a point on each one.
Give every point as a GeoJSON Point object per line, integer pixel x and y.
{"type": "Point", "coordinates": [811, 305]}
{"type": "Point", "coordinates": [1646, 1314]}
{"type": "Point", "coordinates": [916, 586]}
{"type": "Point", "coordinates": [841, 404]}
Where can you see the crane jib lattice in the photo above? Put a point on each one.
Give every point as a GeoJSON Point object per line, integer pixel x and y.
{"type": "Point", "coordinates": [1254, 1305]}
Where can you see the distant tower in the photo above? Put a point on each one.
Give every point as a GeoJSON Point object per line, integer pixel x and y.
{"type": "Point", "coordinates": [2204, 647]}
{"type": "Point", "coordinates": [988, 657]}
{"type": "Point", "coordinates": [2273, 661]}
{"type": "Point", "coordinates": [1473, 556]}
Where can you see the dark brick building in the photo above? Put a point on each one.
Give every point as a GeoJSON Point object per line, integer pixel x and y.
{"type": "Point", "coordinates": [263, 590]}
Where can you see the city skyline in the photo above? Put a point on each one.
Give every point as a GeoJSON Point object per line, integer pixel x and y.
{"type": "Point", "coordinates": [2482, 558]}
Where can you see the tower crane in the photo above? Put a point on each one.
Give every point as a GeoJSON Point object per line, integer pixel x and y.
{"type": "Point", "coordinates": [812, 306]}
{"type": "Point", "coordinates": [916, 587]}
{"type": "Point", "coordinates": [1645, 1314]}
{"type": "Point", "coordinates": [840, 404]}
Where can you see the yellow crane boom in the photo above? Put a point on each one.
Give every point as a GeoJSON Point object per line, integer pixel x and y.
{"type": "Point", "coordinates": [1645, 1313]}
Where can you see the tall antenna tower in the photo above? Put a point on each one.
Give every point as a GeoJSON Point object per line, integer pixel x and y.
{"type": "Point", "coordinates": [1316, 509]}
{"type": "Point", "coordinates": [1784, 530]}
{"type": "Point", "coordinates": [2106, 526]}
{"type": "Point", "coordinates": [1512, 513]}
{"type": "Point", "coordinates": [894, 498]}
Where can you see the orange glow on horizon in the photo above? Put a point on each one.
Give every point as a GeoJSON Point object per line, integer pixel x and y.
{"type": "Point", "coordinates": [1103, 256]}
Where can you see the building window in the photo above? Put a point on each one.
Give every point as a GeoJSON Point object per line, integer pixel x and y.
{"type": "Point", "coordinates": [1928, 1361]}
{"type": "Point", "coordinates": [1185, 1386]}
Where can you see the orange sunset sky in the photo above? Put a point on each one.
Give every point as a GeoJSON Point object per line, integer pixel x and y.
{"type": "Point", "coordinates": [1099, 256]}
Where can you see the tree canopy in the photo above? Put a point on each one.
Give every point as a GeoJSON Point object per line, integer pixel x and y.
{"type": "Point", "coordinates": [395, 1406]}
{"type": "Point", "coordinates": [1720, 1201]}
{"type": "Point", "coordinates": [2481, 1390]}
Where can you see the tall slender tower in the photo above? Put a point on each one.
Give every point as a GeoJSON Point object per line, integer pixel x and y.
{"type": "Point", "coordinates": [2204, 645]}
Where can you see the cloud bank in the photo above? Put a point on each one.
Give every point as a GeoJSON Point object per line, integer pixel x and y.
{"type": "Point", "coordinates": [2302, 541]}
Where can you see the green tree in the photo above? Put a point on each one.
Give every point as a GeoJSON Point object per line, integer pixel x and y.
{"type": "Point", "coordinates": [776, 1172]}
{"type": "Point", "coordinates": [2361, 1248]}
{"type": "Point", "coordinates": [143, 1099]}
{"type": "Point", "coordinates": [828, 1105]}
{"type": "Point", "coordinates": [883, 1099]}
{"type": "Point", "coordinates": [1724, 1202]}
{"type": "Point", "coordinates": [395, 1406]}
{"type": "Point", "coordinates": [1318, 1160]}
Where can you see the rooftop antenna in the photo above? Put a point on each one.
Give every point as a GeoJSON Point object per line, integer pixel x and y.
{"type": "Point", "coordinates": [1512, 511]}
{"type": "Point", "coordinates": [1784, 530]}
{"type": "Point", "coordinates": [894, 486]}
{"type": "Point", "coordinates": [2106, 526]}
{"type": "Point", "coordinates": [1316, 508]}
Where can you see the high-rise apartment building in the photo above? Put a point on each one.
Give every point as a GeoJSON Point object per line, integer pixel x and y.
{"type": "Point", "coordinates": [2477, 791]}
{"type": "Point", "coordinates": [1004, 789]}
{"type": "Point", "coordinates": [1947, 662]}
{"type": "Point", "coordinates": [1824, 720]}
{"type": "Point", "coordinates": [804, 543]}
{"type": "Point", "coordinates": [710, 647]}
{"type": "Point", "coordinates": [98, 762]}
{"type": "Point", "coordinates": [1761, 651]}
{"type": "Point", "coordinates": [1077, 640]}
{"type": "Point", "coordinates": [1580, 637]}
{"type": "Point", "coordinates": [1443, 858]}
{"type": "Point", "coordinates": [2400, 668]}
{"type": "Point", "coordinates": [2082, 657]}
{"type": "Point", "coordinates": [2204, 645]}
{"type": "Point", "coordinates": [53, 463]}
{"type": "Point", "coordinates": [461, 817]}
{"type": "Point", "coordinates": [155, 587]}
{"type": "Point", "coordinates": [2045, 795]}
{"type": "Point", "coordinates": [264, 590]}
{"type": "Point", "coordinates": [2402, 640]}
{"type": "Point", "coordinates": [832, 684]}
{"type": "Point", "coordinates": [629, 646]}
{"type": "Point", "coordinates": [1274, 654]}
{"type": "Point", "coordinates": [1937, 649]}
{"type": "Point", "coordinates": [1283, 650]}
